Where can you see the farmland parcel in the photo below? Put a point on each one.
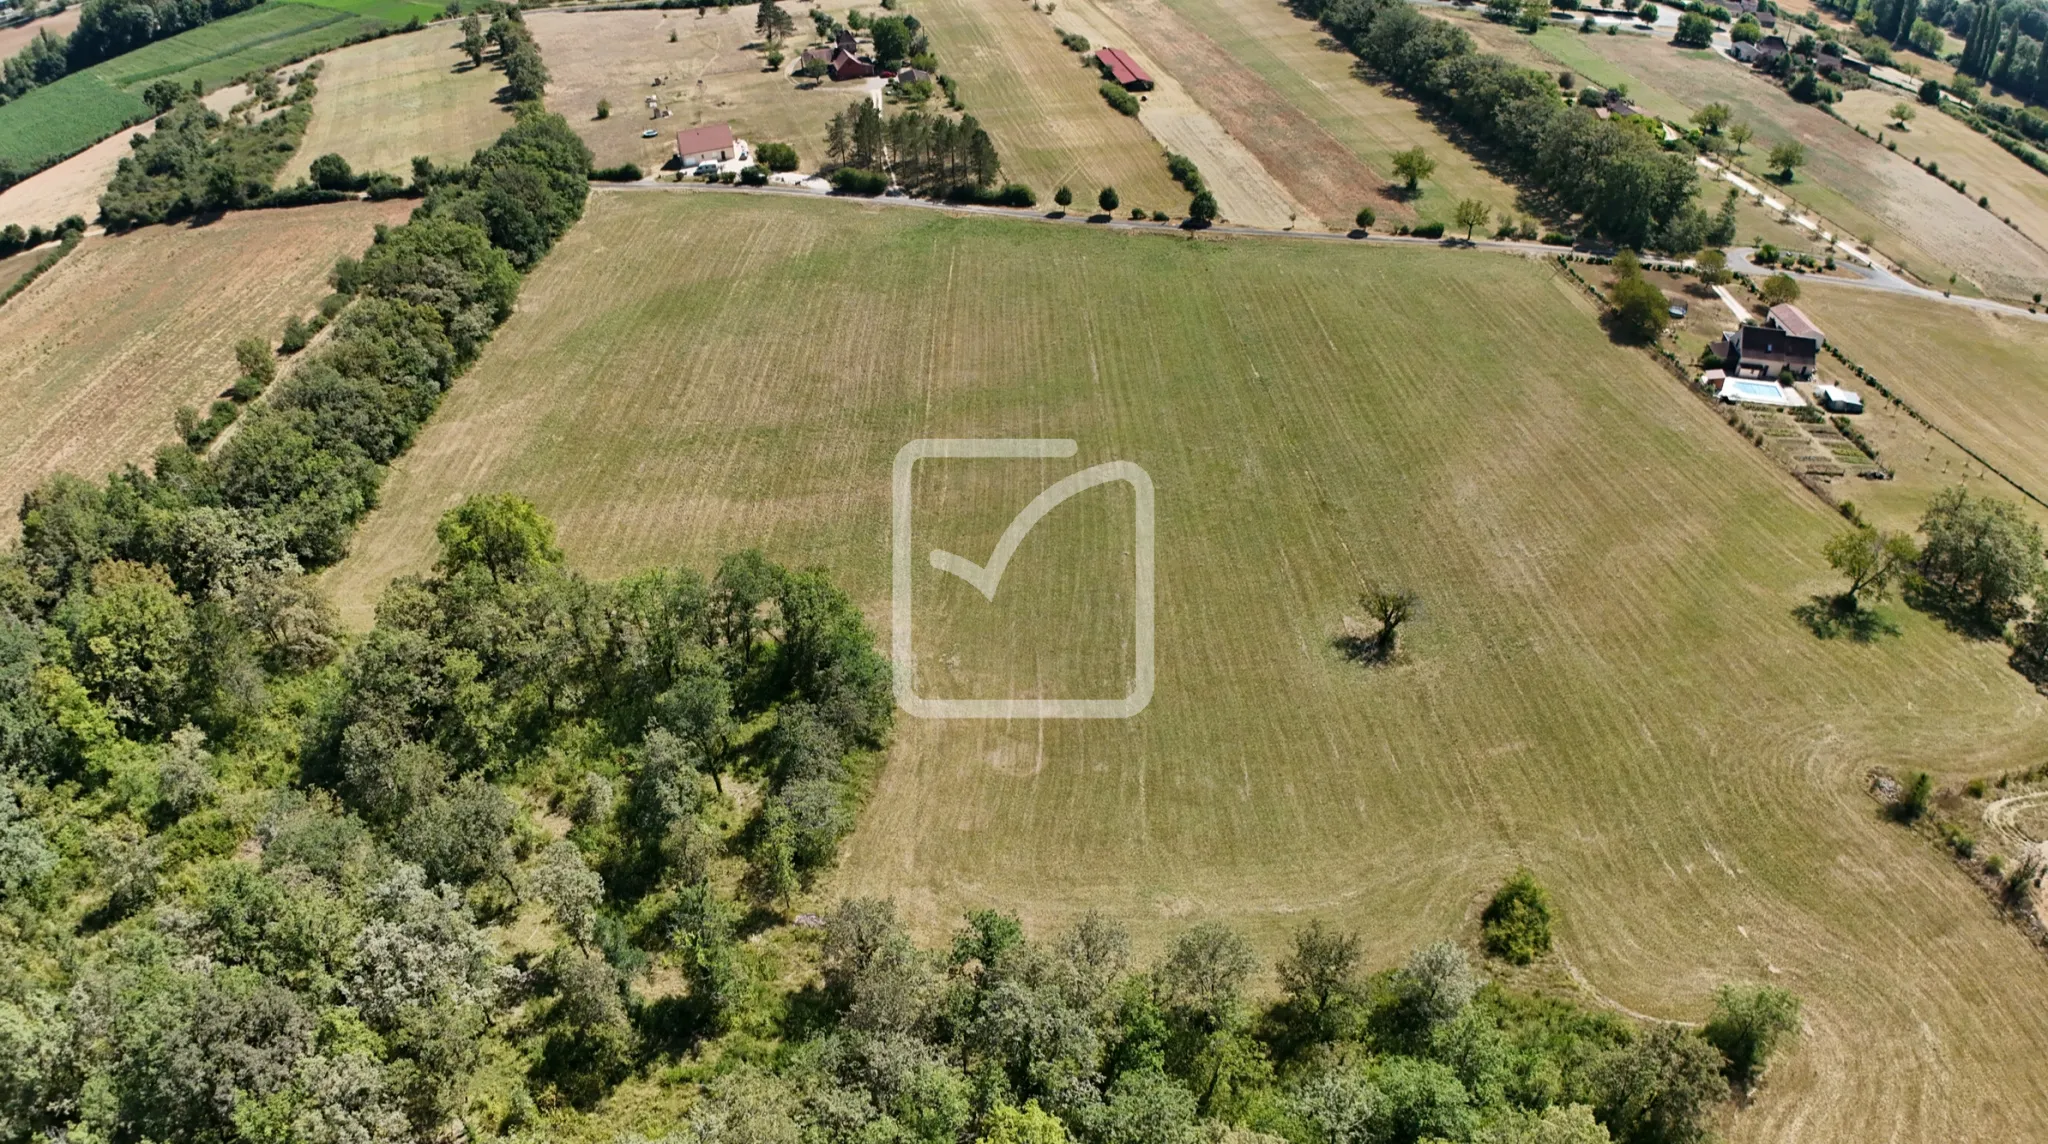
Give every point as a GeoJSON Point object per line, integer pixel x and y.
{"type": "Point", "coordinates": [1607, 686]}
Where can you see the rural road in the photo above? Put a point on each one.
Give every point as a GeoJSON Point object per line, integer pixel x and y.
{"type": "Point", "coordinates": [1878, 279]}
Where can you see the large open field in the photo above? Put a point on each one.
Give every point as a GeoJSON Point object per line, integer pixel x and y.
{"type": "Point", "coordinates": [1867, 192]}
{"type": "Point", "coordinates": [2016, 191]}
{"type": "Point", "coordinates": [104, 348]}
{"type": "Point", "coordinates": [383, 102]}
{"type": "Point", "coordinates": [1607, 684]}
{"type": "Point", "coordinates": [1981, 377]}
{"type": "Point", "coordinates": [85, 107]}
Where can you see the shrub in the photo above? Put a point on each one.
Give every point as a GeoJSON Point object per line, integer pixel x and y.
{"type": "Point", "coordinates": [1516, 924]}
{"type": "Point", "coordinates": [1161, 216]}
{"type": "Point", "coordinates": [1185, 172]}
{"type": "Point", "coordinates": [1008, 195]}
{"type": "Point", "coordinates": [1137, 213]}
{"type": "Point", "coordinates": [623, 173]}
{"type": "Point", "coordinates": [1120, 99]}
{"type": "Point", "coordinates": [1912, 802]}
{"type": "Point", "coordinates": [1366, 217]}
{"type": "Point", "coordinates": [604, 109]}
{"type": "Point", "coordinates": [1429, 230]}
{"type": "Point", "coordinates": [1073, 42]}
{"type": "Point", "coordinates": [754, 175]}
{"type": "Point", "coordinates": [855, 181]}
{"type": "Point", "coordinates": [776, 156]}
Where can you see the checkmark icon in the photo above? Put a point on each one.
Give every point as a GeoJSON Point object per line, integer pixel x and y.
{"type": "Point", "coordinates": [986, 578]}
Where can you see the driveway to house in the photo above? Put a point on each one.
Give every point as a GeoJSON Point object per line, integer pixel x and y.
{"type": "Point", "coordinates": [1876, 278]}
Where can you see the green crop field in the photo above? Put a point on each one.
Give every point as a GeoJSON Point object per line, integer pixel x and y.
{"type": "Point", "coordinates": [79, 110]}
{"type": "Point", "coordinates": [1606, 684]}
{"type": "Point", "coordinates": [389, 11]}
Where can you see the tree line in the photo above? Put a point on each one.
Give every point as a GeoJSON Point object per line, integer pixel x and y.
{"type": "Point", "coordinates": [1615, 175]}
{"type": "Point", "coordinates": [928, 153]}
{"type": "Point", "coordinates": [2004, 45]}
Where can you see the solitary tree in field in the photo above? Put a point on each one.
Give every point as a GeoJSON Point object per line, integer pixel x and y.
{"type": "Point", "coordinates": [1647, 13]}
{"type": "Point", "coordinates": [1470, 213]}
{"type": "Point", "coordinates": [1202, 209]}
{"type": "Point", "coordinates": [1366, 217]}
{"type": "Point", "coordinates": [1712, 118]}
{"type": "Point", "coordinates": [1107, 199]}
{"type": "Point", "coordinates": [1739, 134]}
{"type": "Point", "coordinates": [1516, 924]}
{"type": "Point", "coordinates": [1786, 156]}
{"type": "Point", "coordinates": [1391, 607]}
{"type": "Point", "coordinates": [1902, 114]}
{"type": "Point", "coordinates": [1778, 289]}
{"type": "Point", "coordinates": [1748, 1023]}
{"type": "Point", "coordinates": [1982, 556]}
{"type": "Point", "coordinates": [1414, 165]}
{"type": "Point", "coordinates": [1874, 562]}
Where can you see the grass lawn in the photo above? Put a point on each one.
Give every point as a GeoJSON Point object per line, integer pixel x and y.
{"type": "Point", "coordinates": [106, 346]}
{"type": "Point", "coordinates": [383, 102]}
{"type": "Point", "coordinates": [1607, 683]}
{"type": "Point", "coordinates": [1981, 377]}
{"type": "Point", "coordinates": [63, 118]}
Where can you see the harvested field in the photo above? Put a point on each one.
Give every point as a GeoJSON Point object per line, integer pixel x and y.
{"type": "Point", "coordinates": [1046, 112]}
{"type": "Point", "coordinates": [105, 347]}
{"type": "Point", "coordinates": [1981, 377]}
{"type": "Point", "coordinates": [383, 102]}
{"type": "Point", "coordinates": [2016, 191]}
{"type": "Point", "coordinates": [1865, 191]}
{"type": "Point", "coordinates": [709, 77]}
{"type": "Point", "coordinates": [16, 38]}
{"type": "Point", "coordinates": [1324, 181]}
{"type": "Point", "coordinates": [1607, 683]}
{"type": "Point", "coordinates": [1316, 75]}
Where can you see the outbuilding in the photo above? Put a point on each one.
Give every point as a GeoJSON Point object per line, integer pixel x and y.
{"type": "Point", "coordinates": [1837, 400]}
{"type": "Point", "coordinates": [1122, 69]}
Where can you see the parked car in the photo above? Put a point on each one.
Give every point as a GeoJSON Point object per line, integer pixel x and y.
{"type": "Point", "coordinates": [706, 169]}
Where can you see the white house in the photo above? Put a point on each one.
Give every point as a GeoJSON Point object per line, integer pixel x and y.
{"type": "Point", "coordinates": [711, 143]}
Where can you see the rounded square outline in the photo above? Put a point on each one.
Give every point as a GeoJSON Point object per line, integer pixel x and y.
{"type": "Point", "coordinates": [903, 658]}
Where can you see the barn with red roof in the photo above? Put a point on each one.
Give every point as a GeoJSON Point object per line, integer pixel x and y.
{"type": "Point", "coordinates": [1121, 68]}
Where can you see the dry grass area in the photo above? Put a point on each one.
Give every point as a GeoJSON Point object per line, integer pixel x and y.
{"type": "Point", "coordinates": [16, 38]}
{"type": "Point", "coordinates": [104, 348]}
{"type": "Point", "coordinates": [2017, 191]}
{"type": "Point", "coordinates": [385, 101]}
{"type": "Point", "coordinates": [74, 186]}
{"type": "Point", "coordinates": [1982, 377]}
{"type": "Point", "coordinates": [1315, 74]}
{"type": "Point", "coordinates": [1324, 181]}
{"type": "Point", "coordinates": [1046, 112]}
{"type": "Point", "coordinates": [1607, 683]}
{"type": "Point", "coordinates": [708, 76]}
{"type": "Point", "coordinates": [1864, 190]}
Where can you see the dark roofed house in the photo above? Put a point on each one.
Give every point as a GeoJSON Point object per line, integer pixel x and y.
{"type": "Point", "coordinates": [1618, 104]}
{"type": "Point", "coordinates": [1120, 67]}
{"type": "Point", "coordinates": [1766, 351]}
{"type": "Point", "coordinates": [1771, 47]}
{"type": "Point", "coordinates": [846, 65]}
{"type": "Point", "coordinates": [844, 41]}
{"type": "Point", "coordinates": [1794, 321]}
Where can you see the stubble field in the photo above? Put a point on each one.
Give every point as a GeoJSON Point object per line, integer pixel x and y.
{"type": "Point", "coordinates": [383, 102]}
{"type": "Point", "coordinates": [1607, 684]}
{"type": "Point", "coordinates": [104, 348]}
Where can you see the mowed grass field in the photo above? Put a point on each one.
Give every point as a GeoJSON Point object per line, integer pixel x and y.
{"type": "Point", "coordinates": [1867, 192]}
{"type": "Point", "coordinates": [104, 348]}
{"type": "Point", "coordinates": [383, 102]}
{"type": "Point", "coordinates": [1607, 683]}
{"type": "Point", "coordinates": [2016, 191]}
{"type": "Point", "coordinates": [1982, 377]}
{"type": "Point", "coordinates": [64, 118]}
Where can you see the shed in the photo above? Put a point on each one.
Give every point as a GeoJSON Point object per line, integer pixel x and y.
{"type": "Point", "coordinates": [1123, 69]}
{"type": "Point", "coordinates": [711, 143]}
{"type": "Point", "coordinates": [1837, 400]}
{"type": "Point", "coordinates": [916, 75]}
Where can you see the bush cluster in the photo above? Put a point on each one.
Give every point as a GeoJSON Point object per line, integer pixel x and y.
{"type": "Point", "coordinates": [1114, 95]}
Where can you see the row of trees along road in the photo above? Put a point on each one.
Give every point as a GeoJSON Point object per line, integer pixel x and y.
{"type": "Point", "coordinates": [1614, 173]}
